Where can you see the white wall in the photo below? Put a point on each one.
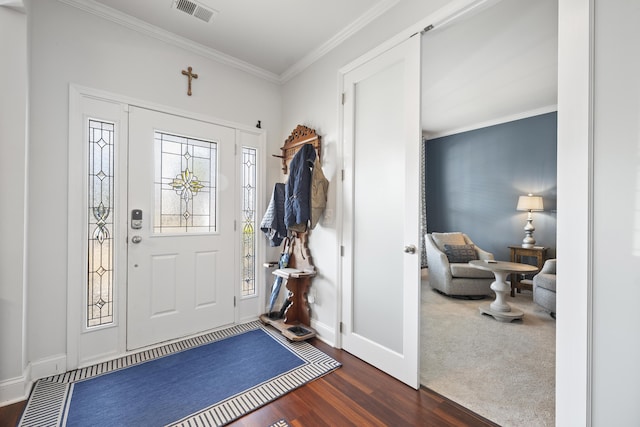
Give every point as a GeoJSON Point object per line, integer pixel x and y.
{"type": "Point", "coordinates": [616, 231]}
{"type": "Point", "coordinates": [598, 378]}
{"type": "Point", "coordinates": [311, 99]}
{"type": "Point", "coordinates": [574, 213]}
{"type": "Point", "coordinates": [71, 46]}
{"type": "Point", "coordinates": [13, 87]}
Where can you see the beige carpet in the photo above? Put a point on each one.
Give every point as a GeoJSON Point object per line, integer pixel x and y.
{"type": "Point", "coordinates": [502, 371]}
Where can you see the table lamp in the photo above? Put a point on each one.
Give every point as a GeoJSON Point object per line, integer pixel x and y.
{"type": "Point", "coordinates": [529, 203]}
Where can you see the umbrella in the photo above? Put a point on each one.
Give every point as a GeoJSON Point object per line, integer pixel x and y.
{"type": "Point", "coordinates": [282, 263]}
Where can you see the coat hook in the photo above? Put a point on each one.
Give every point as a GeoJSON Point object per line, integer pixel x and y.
{"type": "Point", "coordinates": [259, 125]}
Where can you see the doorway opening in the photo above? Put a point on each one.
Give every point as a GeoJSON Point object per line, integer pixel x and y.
{"type": "Point", "coordinates": [484, 73]}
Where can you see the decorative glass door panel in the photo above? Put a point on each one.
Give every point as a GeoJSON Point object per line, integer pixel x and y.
{"type": "Point", "coordinates": [185, 184]}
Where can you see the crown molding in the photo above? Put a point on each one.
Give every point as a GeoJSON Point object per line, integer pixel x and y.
{"type": "Point", "coordinates": [13, 4]}
{"type": "Point", "coordinates": [364, 20]}
{"type": "Point", "coordinates": [497, 121]}
{"type": "Point", "coordinates": [142, 27]}
{"type": "Point", "coordinates": [145, 28]}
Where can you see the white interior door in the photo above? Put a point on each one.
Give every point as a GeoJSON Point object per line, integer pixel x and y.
{"type": "Point", "coordinates": [181, 263]}
{"type": "Point", "coordinates": [381, 263]}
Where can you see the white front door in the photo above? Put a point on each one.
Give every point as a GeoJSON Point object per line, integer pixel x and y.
{"type": "Point", "coordinates": [381, 263]}
{"type": "Point", "coordinates": [181, 263]}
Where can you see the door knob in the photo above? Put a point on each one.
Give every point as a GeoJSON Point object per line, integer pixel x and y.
{"type": "Point", "coordinates": [136, 239]}
{"type": "Point", "coordinates": [411, 249]}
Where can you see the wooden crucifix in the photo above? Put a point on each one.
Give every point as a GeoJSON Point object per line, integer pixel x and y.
{"type": "Point", "coordinates": [190, 76]}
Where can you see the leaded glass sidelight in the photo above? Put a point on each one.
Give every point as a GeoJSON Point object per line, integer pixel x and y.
{"type": "Point", "coordinates": [248, 221]}
{"type": "Point", "coordinates": [100, 223]}
{"type": "Point", "coordinates": [185, 184]}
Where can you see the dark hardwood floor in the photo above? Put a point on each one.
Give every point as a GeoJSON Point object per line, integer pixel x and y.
{"type": "Point", "coordinates": [357, 394]}
{"type": "Point", "coordinates": [10, 415]}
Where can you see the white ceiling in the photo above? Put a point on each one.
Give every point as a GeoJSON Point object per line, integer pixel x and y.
{"type": "Point", "coordinates": [495, 63]}
{"type": "Point", "coordinates": [271, 35]}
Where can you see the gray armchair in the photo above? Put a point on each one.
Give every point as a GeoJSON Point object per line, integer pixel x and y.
{"type": "Point", "coordinates": [544, 287]}
{"type": "Point", "coordinates": [448, 256]}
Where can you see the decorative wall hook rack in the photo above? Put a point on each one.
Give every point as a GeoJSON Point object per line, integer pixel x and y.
{"type": "Point", "coordinates": [300, 136]}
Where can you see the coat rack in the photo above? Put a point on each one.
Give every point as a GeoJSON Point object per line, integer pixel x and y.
{"type": "Point", "coordinates": [295, 325]}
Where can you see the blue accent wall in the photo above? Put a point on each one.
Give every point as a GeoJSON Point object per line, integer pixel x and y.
{"type": "Point", "coordinates": [473, 180]}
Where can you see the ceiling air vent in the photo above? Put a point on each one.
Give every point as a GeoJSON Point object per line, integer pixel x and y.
{"type": "Point", "coordinates": [195, 9]}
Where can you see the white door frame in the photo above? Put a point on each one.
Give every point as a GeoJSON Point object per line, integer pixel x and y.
{"type": "Point", "coordinates": [576, 50]}
{"type": "Point", "coordinates": [82, 349]}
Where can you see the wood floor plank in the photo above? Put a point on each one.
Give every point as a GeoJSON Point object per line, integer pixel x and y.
{"type": "Point", "coordinates": [10, 414]}
{"type": "Point", "coordinates": [358, 394]}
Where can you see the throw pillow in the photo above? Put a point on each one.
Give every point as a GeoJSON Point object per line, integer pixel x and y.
{"type": "Point", "coordinates": [454, 238]}
{"type": "Point", "coordinates": [460, 253]}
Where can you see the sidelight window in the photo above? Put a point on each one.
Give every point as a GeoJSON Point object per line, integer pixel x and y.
{"type": "Point", "coordinates": [100, 223]}
{"type": "Point", "coordinates": [248, 221]}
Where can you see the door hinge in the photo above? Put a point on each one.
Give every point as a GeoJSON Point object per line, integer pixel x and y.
{"type": "Point", "coordinates": [341, 250]}
{"type": "Point", "coordinates": [234, 301]}
{"type": "Point", "coordinates": [235, 225]}
{"type": "Point", "coordinates": [342, 173]}
{"type": "Point", "coordinates": [343, 96]}
{"type": "Point", "coordinates": [235, 149]}
{"type": "Point", "coordinates": [341, 326]}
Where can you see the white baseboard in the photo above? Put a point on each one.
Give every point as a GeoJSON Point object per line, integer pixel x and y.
{"type": "Point", "coordinates": [325, 333]}
{"type": "Point", "coordinates": [98, 358]}
{"type": "Point", "coordinates": [49, 366]}
{"type": "Point", "coordinates": [15, 389]}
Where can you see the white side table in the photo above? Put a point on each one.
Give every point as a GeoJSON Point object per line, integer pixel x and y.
{"type": "Point", "coordinates": [499, 308]}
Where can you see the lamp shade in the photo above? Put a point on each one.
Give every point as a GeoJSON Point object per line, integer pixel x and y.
{"type": "Point", "coordinates": [530, 203]}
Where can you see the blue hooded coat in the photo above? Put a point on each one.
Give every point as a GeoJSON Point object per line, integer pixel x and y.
{"type": "Point", "coordinates": [297, 204]}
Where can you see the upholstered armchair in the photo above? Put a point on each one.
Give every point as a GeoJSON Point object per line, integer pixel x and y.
{"type": "Point", "coordinates": [448, 256]}
{"type": "Point", "coordinates": [544, 287]}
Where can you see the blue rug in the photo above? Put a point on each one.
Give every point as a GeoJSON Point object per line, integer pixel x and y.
{"type": "Point", "coordinates": [209, 380]}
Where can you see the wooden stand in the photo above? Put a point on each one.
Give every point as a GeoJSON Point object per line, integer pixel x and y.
{"type": "Point", "coordinates": [517, 254]}
{"type": "Point", "coordinates": [296, 322]}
